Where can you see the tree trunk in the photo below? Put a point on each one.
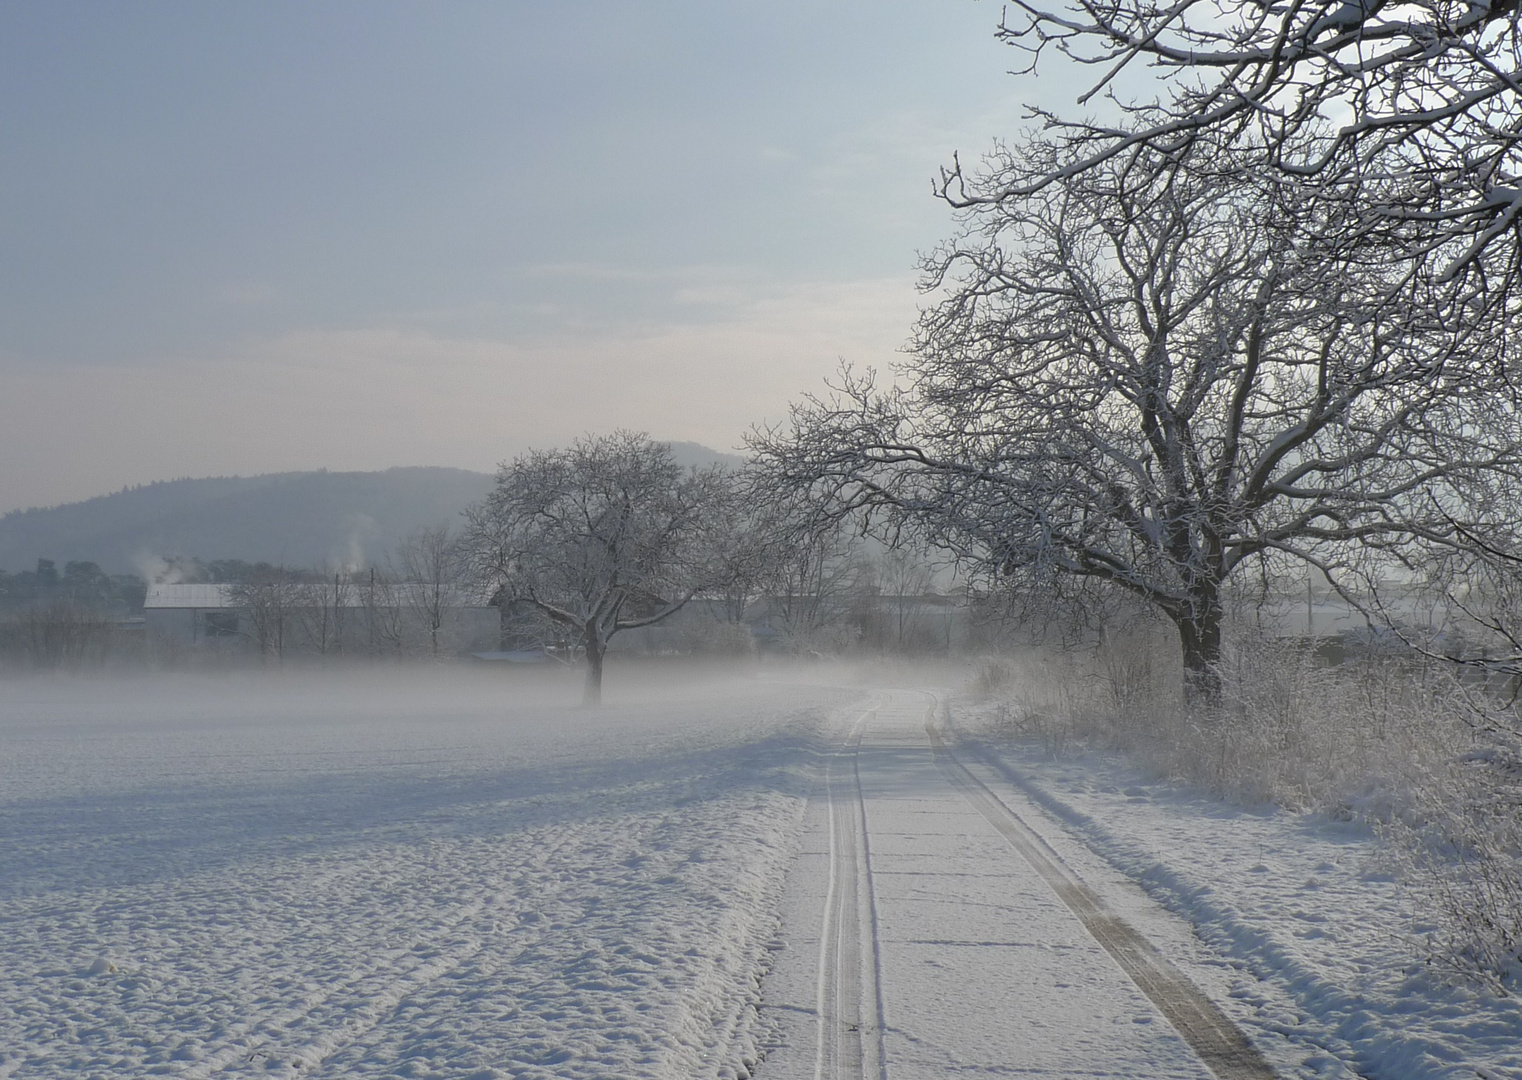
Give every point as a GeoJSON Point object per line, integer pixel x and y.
{"type": "Point", "coordinates": [592, 694]}
{"type": "Point", "coordinates": [1200, 638]}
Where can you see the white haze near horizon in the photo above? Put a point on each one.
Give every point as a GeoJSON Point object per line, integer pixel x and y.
{"type": "Point", "coordinates": [251, 240]}
{"type": "Point", "coordinates": [448, 870]}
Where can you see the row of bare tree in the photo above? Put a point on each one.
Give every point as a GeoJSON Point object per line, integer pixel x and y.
{"type": "Point", "coordinates": [611, 534]}
{"type": "Point", "coordinates": [1255, 325]}
{"type": "Point", "coordinates": [1261, 325]}
{"type": "Point", "coordinates": [1164, 372]}
{"type": "Point", "coordinates": [576, 545]}
{"type": "Point", "coordinates": [403, 606]}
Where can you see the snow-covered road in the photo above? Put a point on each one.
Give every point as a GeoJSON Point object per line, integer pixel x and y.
{"type": "Point", "coordinates": [1031, 914]}
{"type": "Point", "coordinates": [945, 951]}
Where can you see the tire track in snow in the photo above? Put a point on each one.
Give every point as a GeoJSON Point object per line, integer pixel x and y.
{"type": "Point", "coordinates": [850, 1029]}
{"type": "Point", "coordinates": [1220, 1044]}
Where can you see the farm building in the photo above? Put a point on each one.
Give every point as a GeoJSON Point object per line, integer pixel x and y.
{"type": "Point", "coordinates": [322, 617]}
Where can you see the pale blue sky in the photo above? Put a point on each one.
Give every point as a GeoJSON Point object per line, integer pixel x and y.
{"type": "Point", "coordinates": [245, 238]}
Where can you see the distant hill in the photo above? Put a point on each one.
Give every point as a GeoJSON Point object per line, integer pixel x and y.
{"type": "Point", "coordinates": [295, 519]}
{"type": "Point", "coordinates": [696, 455]}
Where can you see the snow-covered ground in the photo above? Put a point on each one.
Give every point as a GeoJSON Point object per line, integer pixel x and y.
{"type": "Point", "coordinates": [1302, 933]}
{"type": "Point", "coordinates": [964, 961]}
{"type": "Point", "coordinates": [460, 874]}
{"type": "Point", "coordinates": [392, 873]}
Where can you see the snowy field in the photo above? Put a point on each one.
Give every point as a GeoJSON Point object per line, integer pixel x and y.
{"type": "Point", "coordinates": [392, 873]}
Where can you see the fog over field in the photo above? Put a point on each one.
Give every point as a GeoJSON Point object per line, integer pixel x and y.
{"type": "Point", "coordinates": [461, 872]}
{"type": "Point", "coordinates": [449, 873]}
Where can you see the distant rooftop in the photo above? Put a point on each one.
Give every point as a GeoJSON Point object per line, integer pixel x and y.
{"type": "Point", "coordinates": [187, 596]}
{"type": "Point", "coordinates": [210, 596]}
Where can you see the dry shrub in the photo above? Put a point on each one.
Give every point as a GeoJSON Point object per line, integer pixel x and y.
{"type": "Point", "coordinates": [1348, 739]}
{"type": "Point", "coordinates": [994, 676]}
{"type": "Point", "coordinates": [1387, 737]}
{"type": "Point", "coordinates": [1460, 838]}
{"type": "Point", "coordinates": [1290, 728]}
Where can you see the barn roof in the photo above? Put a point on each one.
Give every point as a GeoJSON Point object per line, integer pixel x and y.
{"type": "Point", "coordinates": [203, 597]}
{"type": "Point", "coordinates": [187, 596]}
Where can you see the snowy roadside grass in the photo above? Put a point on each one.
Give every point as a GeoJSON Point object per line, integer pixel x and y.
{"type": "Point", "coordinates": [1305, 903]}
{"type": "Point", "coordinates": [392, 874]}
{"type": "Point", "coordinates": [1430, 757]}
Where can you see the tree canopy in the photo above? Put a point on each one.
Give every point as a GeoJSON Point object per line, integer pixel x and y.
{"type": "Point", "coordinates": [606, 535]}
{"type": "Point", "coordinates": [1408, 114]}
{"type": "Point", "coordinates": [1144, 377]}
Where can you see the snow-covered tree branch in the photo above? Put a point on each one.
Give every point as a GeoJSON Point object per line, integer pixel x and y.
{"type": "Point", "coordinates": [607, 535]}
{"type": "Point", "coordinates": [1408, 113]}
{"type": "Point", "coordinates": [1143, 377]}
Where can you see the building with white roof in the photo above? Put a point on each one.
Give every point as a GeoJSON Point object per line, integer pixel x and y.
{"type": "Point", "coordinates": [315, 616]}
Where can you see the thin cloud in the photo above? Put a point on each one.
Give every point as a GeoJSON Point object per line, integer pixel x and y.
{"type": "Point", "coordinates": [371, 398]}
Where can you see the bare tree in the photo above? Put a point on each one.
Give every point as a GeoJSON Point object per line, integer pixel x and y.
{"type": "Point", "coordinates": [1409, 113]}
{"type": "Point", "coordinates": [270, 604]}
{"type": "Point", "coordinates": [1141, 377]}
{"type": "Point", "coordinates": [322, 610]}
{"type": "Point", "coordinates": [431, 567]}
{"type": "Point", "coordinates": [817, 578]}
{"type": "Point", "coordinates": [745, 543]}
{"type": "Point", "coordinates": [904, 577]}
{"type": "Point", "coordinates": [385, 621]}
{"type": "Point", "coordinates": [604, 536]}
{"type": "Point", "coordinates": [807, 562]}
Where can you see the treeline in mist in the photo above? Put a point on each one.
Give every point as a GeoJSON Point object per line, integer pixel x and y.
{"type": "Point", "coordinates": [660, 558]}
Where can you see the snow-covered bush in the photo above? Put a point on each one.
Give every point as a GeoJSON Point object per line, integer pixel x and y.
{"type": "Point", "coordinates": [1396, 740]}
{"type": "Point", "coordinates": [1461, 842]}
